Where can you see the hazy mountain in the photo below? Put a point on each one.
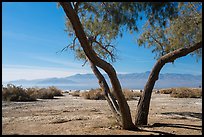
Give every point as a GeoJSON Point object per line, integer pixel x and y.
{"type": "Point", "coordinates": [132, 81]}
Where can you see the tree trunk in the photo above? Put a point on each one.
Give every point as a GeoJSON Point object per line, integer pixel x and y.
{"type": "Point", "coordinates": [79, 31]}
{"type": "Point", "coordinates": [108, 95]}
{"type": "Point", "coordinates": [143, 105]}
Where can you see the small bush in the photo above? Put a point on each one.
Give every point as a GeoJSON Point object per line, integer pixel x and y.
{"type": "Point", "coordinates": [55, 91]}
{"type": "Point", "coordinates": [44, 93]}
{"type": "Point", "coordinates": [166, 91]}
{"type": "Point", "coordinates": [186, 93]}
{"type": "Point", "coordinates": [97, 94]}
{"type": "Point", "coordinates": [33, 92]}
{"type": "Point", "coordinates": [75, 93]}
{"type": "Point", "coordinates": [130, 95]}
{"type": "Point", "coordinates": [15, 93]}
{"type": "Point", "coordinates": [94, 94]}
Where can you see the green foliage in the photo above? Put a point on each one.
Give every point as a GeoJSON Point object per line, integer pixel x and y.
{"type": "Point", "coordinates": [183, 31]}
{"type": "Point", "coordinates": [104, 22]}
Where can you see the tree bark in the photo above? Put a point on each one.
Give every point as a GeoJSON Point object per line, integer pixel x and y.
{"type": "Point", "coordinates": [108, 95]}
{"type": "Point", "coordinates": [143, 105]}
{"type": "Point", "coordinates": [79, 31]}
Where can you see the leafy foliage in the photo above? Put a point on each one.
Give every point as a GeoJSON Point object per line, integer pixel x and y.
{"type": "Point", "coordinates": [183, 31]}
{"type": "Point", "coordinates": [104, 22]}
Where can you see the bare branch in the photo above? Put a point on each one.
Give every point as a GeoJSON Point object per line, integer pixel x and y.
{"type": "Point", "coordinates": [158, 43]}
{"type": "Point", "coordinates": [68, 46]}
{"type": "Point", "coordinates": [85, 62]}
{"type": "Point", "coordinates": [105, 48]}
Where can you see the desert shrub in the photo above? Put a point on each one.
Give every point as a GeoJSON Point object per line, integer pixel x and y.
{"type": "Point", "coordinates": [15, 93]}
{"type": "Point", "coordinates": [97, 94]}
{"type": "Point", "coordinates": [130, 95]}
{"type": "Point", "coordinates": [186, 93]}
{"type": "Point", "coordinates": [33, 92]}
{"type": "Point", "coordinates": [55, 91]}
{"type": "Point", "coordinates": [75, 93]}
{"type": "Point", "coordinates": [44, 93]}
{"type": "Point", "coordinates": [166, 91]}
{"type": "Point", "coordinates": [94, 94]}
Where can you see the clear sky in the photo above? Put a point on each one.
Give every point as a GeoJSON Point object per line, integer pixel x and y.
{"type": "Point", "coordinates": [32, 33]}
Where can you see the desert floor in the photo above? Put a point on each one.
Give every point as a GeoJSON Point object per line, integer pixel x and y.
{"type": "Point", "coordinates": [68, 115]}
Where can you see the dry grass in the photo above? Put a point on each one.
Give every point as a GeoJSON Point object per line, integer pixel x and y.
{"type": "Point", "coordinates": [186, 93]}
{"type": "Point", "coordinates": [16, 93]}
{"type": "Point", "coordinates": [44, 93]}
{"type": "Point", "coordinates": [166, 91]}
{"type": "Point", "coordinates": [94, 94]}
{"type": "Point", "coordinates": [97, 94]}
{"type": "Point", "coordinates": [55, 91]}
{"type": "Point", "coordinates": [131, 95]}
{"type": "Point", "coordinates": [75, 93]}
{"type": "Point", "coordinates": [183, 92]}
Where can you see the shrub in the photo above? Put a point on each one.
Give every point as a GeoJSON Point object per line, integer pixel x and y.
{"type": "Point", "coordinates": [166, 91]}
{"type": "Point", "coordinates": [75, 93]}
{"type": "Point", "coordinates": [15, 93]}
{"type": "Point", "coordinates": [44, 93]}
{"type": "Point", "coordinates": [186, 93]}
{"type": "Point", "coordinates": [94, 94]}
{"type": "Point", "coordinates": [97, 94]}
{"type": "Point", "coordinates": [130, 95]}
{"type": "Point", "coordinates": [33, 92]}
{"type": "Point", "coordinates": [55, 91]}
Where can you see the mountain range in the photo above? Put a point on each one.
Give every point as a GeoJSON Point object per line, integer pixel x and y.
{"type": "Point", "coordinates": [131, 81]}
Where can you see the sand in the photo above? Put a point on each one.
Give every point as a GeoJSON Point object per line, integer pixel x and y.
{"type": "Point", "coordinates": [68, 115]}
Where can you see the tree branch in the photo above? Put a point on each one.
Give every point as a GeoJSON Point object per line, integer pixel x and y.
{"type": "Point", "coordinates": [105, 48]}
{"type": "Point", "coordinates": [158, 43]}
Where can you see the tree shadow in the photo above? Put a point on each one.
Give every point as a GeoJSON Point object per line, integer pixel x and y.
{"type": "Point", "coordinates": [156, 131]}
{"type": "Point", "coordinates": [187, 126]}
{"type": "Point", "coordinates": [185, 114]}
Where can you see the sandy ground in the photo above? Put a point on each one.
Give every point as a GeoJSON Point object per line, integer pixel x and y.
{"type": "Point", "coordinates": [68, 115]}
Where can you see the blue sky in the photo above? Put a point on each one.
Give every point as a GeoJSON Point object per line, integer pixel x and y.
{"type": "Point", "coordinates": [32, 33]}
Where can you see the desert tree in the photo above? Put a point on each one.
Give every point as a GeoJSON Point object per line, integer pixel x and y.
{"type": "Point", "coordinates": [93, 27]}
{"type": "Point", "coordinates": [180, 36]}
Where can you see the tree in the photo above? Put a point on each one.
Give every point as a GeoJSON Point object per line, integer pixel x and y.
{"type": "Point", "coordinates": [91, 55]}
{"type": "Point", "coordinates": [181, 37]}
{"type": "Point", "coordinates": [91, 49]}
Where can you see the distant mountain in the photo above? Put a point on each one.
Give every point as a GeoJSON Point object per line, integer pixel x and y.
{"type": "Point", "coordinates": [131, 80]}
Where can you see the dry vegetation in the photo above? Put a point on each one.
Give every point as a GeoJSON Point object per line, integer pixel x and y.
{"type": "Point", "coordinates": [93, 94]}
{"type": "Point", "coordinates": [97, 94]}
{"type": "Point", "coordinates": [183, 92]}
{"type": "Point", "coordinates": [13, 93]}
{"type": "Point", "coordinates": [17, 93]}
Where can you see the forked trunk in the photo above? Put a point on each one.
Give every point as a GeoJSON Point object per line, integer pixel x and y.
{"type": "Point", "coordinates": [79, 31]}
{"type": "Point", "coordinates": [108, 95]}
{"type": "Point", "coordinates": [144, 102]}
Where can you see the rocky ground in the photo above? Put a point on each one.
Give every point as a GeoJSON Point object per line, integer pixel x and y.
{"type": "Point", "coordinates": [68, 115]}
